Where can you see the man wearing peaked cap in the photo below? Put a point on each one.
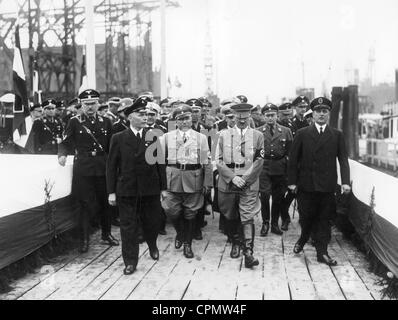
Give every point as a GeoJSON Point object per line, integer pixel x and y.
{"type": "Point", "coordinates": [301, 104]}
{"type": "Point", "coordinates": [312, 172]}
{"type": "Point", "coordinates": [134, 185]}
{"type": "Point", "coordinates": [102, 109]}
{"type": "Point", "coordinates": [88, 136]}
{"type": "Point", "coordinates": [277, 142]}
{"type": "Point", "coordinates": [113, 104]}
{"type": "Point", "coordinates": [122, 123]}
{"type": "Point", "coordinates": [153, 110]}
{"type": "Point", "coordinates": [47, 131]}
{"type": "Point", "coordinates": [190, 176]}
{"type": "Point", "coordinates": [240, 156]}
{"type": "Point", "coordinates": [285, 112]}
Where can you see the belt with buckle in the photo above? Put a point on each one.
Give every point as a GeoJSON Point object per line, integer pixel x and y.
{"type": "Point", "coordinates": [91, 153]}
{"type": "Point", "coordinates": [182, 166]}
{"type": "Point", "coordinates": [236, 165]}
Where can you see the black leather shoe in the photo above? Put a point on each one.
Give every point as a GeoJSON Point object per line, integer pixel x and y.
{"type": "Point", "coordinates": [235, 251]}
{"type": "Point", "coordinates": [188, 251]}
{"type": "Point", "coordinates": [326, 259]}
{"type": "Point", "coordinates": [177, 243]}
{"type": "Point", "coordinates": [250, 261]}
{"type": "Point", "coordinates": [154, 253]}
{"type": "Point", "coordinates": [298, 248]}
{"type": "Point", "coordinates": [285, 226]}
{"type": "Point", "coordinates": [162, 232]}
{"type": "Point", "coordinates": [129, 269]}
{"type": "Point", "coordinates": [110, 240]}
{"type": "Point", "coordinates": [198, 235]}
{"type": "Point", "coordinates": [275, 229]}
{"type": "Point", "coordinates": [264, 229]}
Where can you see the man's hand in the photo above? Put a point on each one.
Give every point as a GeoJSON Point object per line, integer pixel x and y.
{"type": "Point", "coordinates": [62, 160]}
{"type": "Point", "coordinates": [112, 199]}
{"type": "Point", "coordinates": [345, 188]}
{"type": "Point", "coordinates": [162, 195]}
{"type": "Point", "coordinates": [239, 182]}
{"type": "Point", "coordinates": [293, 188]}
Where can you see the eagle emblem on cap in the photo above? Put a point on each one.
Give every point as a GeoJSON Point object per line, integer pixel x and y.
{"type": "Point", "coordinates": [320, 100]}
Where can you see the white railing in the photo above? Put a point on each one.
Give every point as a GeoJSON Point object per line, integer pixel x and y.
{"type": "Point", "coordinates": [382, 153]}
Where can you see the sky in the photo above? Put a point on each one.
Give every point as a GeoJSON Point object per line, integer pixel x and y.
{"type": "Point", "coordinates": [259, 47]}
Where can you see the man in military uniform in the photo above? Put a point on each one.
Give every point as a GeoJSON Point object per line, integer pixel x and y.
{"type": "Point", "coordinates": [122, 123]}
{"type": "Point", "coordinates": [134, 185]}
{"type": "Point", "coordinates": [47, 131]}
{"type": "Point", "coordinates": [165, 109]}
{"type": "Point", "coordinates": [189, 176]}
{"type": "Point", "coordinates": [273, 181]}
{"type": "Point", "coordinates": [285, 112]}
{"type": "Point", "coordinates": [257, 116]}
{"type": "Point", "coordinates": [153, 122]}
{"type": "Point", "coordinates": [239, 159]}
{"type": "Point", "coordinates": [89, 135]}
{"type": "Point", "coordinates": [113, 104]}
{"type": "Point", "coordinates": [312, 173]}
{"type": "Point", "coordinates": [102, 109]}
{"type": "Point", "coordinates": [301, 103]}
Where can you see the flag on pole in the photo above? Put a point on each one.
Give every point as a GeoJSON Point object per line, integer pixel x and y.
{"type": "Point", "coordinates": [83, 76]}
{"type": "Point", "coordinates": [35, 83]}
{"type": "Point", "coordinates": [21, 108]}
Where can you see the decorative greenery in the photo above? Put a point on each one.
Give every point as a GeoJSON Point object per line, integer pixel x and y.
{"type": "Point", "coordinates": [49, 208]}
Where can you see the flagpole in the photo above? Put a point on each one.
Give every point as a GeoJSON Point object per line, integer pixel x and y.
{"type": "Point", "coordinates": [90, 44]}
{"type": "Point", "coordinates": [163, 69]}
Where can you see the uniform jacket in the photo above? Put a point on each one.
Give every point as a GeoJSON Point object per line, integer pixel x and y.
{"type": "Point", "coordinates": [46, 132]}
{"type": "Point", "coordinates": [276, 149]}
{"type": "Point", "coordinates": [194, 151]}
{"type": "Point", "coordinates": [127, 171]}
{"type": "Point", "coordinates": [312, 160]}
{"type": "Point", "coordinates": [297, 124]}
{"type": "Point", "coordinates": [286, 123]}
{"type": "Point", "coordinates": [120, 125]}
{"type": "Point", "coordinates": [233, 149]}
{"type": "Point", "coordinates": [221, 125]}
{"type": "Point", "coordinates": [112, 117]}
{"type": "Point", "coordinates": [78, 140]}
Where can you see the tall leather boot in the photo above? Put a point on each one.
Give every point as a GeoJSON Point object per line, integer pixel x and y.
{"type": "Point", "coordinates": [84, 228]}
{"type": "Point", "coordinates": [189, 226]}
{"type": "Point", "coordinates": [233, 226]}
{"type": "Point", "coordinates": [179, 227]}
{"type": "Point", "coordinates": [250, 261]}
{"type": "Point", "coordinates": [198, 225]}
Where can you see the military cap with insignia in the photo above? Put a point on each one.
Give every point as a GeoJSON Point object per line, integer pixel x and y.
{"type": "Point", "coordinates": [102, 106]}
{"type": "Point", "coordinates": [242, 110]}
{"type": "Point", "coordinates": [152, 108]}
{"type": "Point", "coordinates": [34, 107]}
{"type": "Point", "coordinates": [60, 104]}
{"type": "Point", "coordinates": [321, 103]}
{"type": "Point", "coordinates": [114, 100]}
{"type": "Point", "coordinates": [181, 111]}
{"type": "Point", "coordinates": [89, 95]}
{"type": "Point", "coordinates": [286, 107]}
{"type": "Point", "coordinates": [194, 103]}
{"type": "Point", "coordinates": [139, 105]}
{"type": "Point", "coordinates": [205, 102]}
{"type": "Point", "coordinates": [242, 98]}
{"type": "Point", "coordinates": [165, 101]}
{"type": "Point", "coordinates": [49, 102]}
{"type": "Point", "coordinates": [176, 103]}
{"type": "Point", "coordinates": [301, 101]}
{"type": "Point", "coordinates": [269, 107]}
{"type": "Point", "coordinates": [147, 94]}
{"type": "Point", "coordinates": [125, 103]}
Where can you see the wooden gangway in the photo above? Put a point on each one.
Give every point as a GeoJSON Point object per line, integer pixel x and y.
{"type": "Point", "coordinates": [212, 274]}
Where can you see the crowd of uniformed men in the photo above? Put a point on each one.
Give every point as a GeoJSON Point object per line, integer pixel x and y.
{"type": "Point", "coordinates": [137, 164]}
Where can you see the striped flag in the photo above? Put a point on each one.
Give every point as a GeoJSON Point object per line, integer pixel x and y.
{"type": "Point", "coordinates": [21, 108]}
{"type": "Point", "coordinates": [83, 76]}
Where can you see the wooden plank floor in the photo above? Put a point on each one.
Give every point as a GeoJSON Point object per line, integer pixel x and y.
{"type": "Point", "coordinates": [212, 274]}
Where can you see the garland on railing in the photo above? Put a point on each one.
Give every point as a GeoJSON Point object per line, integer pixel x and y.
{"type": "Point", "coordinates": [343, 206]}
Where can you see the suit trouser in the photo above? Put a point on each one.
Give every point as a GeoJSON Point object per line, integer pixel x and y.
{"type": "Point", "coordinates": [316, 210]}
{"type": "Point", "coordinates": [274, 185]}
{"type": "Point", "coordinates": [130, 208]}
{"type": "Point", "coordinates": [176, 204]}
{"type": "Point", "coordinates": [91, 192]}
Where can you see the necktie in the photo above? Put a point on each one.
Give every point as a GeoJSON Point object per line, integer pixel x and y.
{"type": "Point", "coordinates": [320, 131]}
{"type": "Point", "coordinates": [271, 130]}
{"type": "Point", "coordinates": [138, 135]}
{"type": "Point", "coordinates": [184, 138]}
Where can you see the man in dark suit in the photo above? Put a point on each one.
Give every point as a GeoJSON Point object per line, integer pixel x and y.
{"type": "Point", "coordinates": [134, 185]}
{"type": "Point", "coordinates": [312, 172]}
